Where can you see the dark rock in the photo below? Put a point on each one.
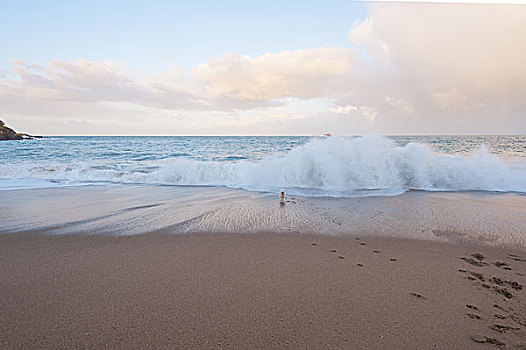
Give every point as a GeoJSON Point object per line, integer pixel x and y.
{"type": "Point", "coordinates": [7, 133]}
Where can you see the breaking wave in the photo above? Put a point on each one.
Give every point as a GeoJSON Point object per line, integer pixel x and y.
{"type": "Point", "coordinates": [335, 166]}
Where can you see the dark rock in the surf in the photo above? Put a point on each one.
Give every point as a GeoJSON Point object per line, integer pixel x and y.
{"type": "Point", "coordinates": [7, 133]}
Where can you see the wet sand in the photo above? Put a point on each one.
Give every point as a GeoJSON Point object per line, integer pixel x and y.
{"type": "Point", "coordinates": [258, 291]}
{"type": "Point", "coordinates": [495, 219]}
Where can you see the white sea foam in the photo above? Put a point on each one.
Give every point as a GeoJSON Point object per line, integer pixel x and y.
{"type": "Point", "coordinates": [335, 166]}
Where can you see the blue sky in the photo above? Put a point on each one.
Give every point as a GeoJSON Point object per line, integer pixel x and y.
{"type": "Point", "coordinates": [262, 67]}
{"type": "Point", "coordinates": [152, 36]}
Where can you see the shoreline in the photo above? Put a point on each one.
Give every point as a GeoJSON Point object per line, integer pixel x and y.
{"type": "Point", "coordinates": [257, 290]}
{"type": "Point", "coordinates": [491, 219]}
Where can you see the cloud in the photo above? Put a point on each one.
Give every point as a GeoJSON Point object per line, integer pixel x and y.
{"type": "Point", "coordinates": [369, 113]}
{"type": "Point", "coordinates": [443, 63]}
{"type": "Point", "coordinates": [80, 80]}
{"type": "Point", "coordinates": [97, 81]}
{"type": "Point", "coordinates": [310, 73]}
{"type": "Point", "coordinates": [228, 83]}
{"type": "Point", "coordinates": [475, 48]}
{"type": "Point", "coordinates": [420, 68]}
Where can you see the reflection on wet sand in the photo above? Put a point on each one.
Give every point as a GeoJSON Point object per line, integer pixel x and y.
{"type": "Point", "coordinates": [492, 218]}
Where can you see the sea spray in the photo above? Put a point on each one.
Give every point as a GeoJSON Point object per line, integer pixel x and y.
{"type": "Point", "coordinates": [335, 166]}
{"type": "Point", "coordinates": [340, 166]}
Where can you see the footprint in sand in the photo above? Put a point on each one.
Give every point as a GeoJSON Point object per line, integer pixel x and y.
{"type": "Point", "coordinates": [341, 257]}
{"type": "Point", "coordinates": [504, 292]}
{"type": "Point", "coordinates": [502, 328]}
{"type": "Point", "coordinates": [478, 256]}
{"type": "Point", "coordinates": [497, 284]}
{"type": "Point", "coordinates": [501, 282]}
{"type": "Point", "coordinates": [417, 295]}
{"type": "Point", "coordinates": [477, 275]}
{"type": "Point", "coordinates": [477, 317]}
{"type": "Point", "coordinates": [474, 276]}
{"type": "Point", "coordinates": [474, 262]}
{"type": "Point", "coordinates": [361, 243]}
{"type": "Point", "coordinates": [334, 251]}
{"type": "Point", "coordinates": [393, 259]}
{"type": "Point", "coordinates": [516, 257]}
{"type": "Point", "coordinates": [481, 339]}
{"type": "Point", "coordinates": [376, 251]}
{"type": "Point", "coordinates": [472, 307]}
{"type": "Point", "coordinates": [503, 265]}
{"type": "Point", "coordinates": [361, 265]}
{"type": "Point", "coordinates": [314, 243]}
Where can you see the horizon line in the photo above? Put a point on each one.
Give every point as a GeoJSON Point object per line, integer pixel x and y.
{"type": "Point", "coordinates": [283, 135]}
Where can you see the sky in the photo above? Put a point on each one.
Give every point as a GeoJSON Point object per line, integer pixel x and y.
{"type": "Point", "coordinates": [262, 67]}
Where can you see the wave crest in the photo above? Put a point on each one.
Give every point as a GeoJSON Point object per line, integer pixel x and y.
{"type": "Point", "coordinates": [335, 166]}
{"type": "Point", "coordinates": [339, 166]}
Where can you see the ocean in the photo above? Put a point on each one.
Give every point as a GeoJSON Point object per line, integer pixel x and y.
{"type": "Point", "coordinates": [467, 188]}
{"type": "Point", "coordinates": [310, 166]}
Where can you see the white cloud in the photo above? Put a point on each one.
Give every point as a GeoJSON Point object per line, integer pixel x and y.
{"type": "Point", "coordinates": [61, 80]}
{"type": "Point", "coordinates": [96, 81]}
{"type": "Point", "coordinates": [369, 113]}
{"type": "Point", "coordinates": [454, 67]}
{"type": "Point", "coordinates": [343, 110]}
{"type": "Point", "coordinates": [427, 68]}
{"type": "Point", "coordinates": [478, 48]}
{"type": "Point", "coordinates": [317, 72]}
{"type": "Point", "coordinates": [231, 82]}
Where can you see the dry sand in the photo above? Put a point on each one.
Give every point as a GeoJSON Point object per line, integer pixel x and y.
{"type": "Point", "coordinates": [257, 291]}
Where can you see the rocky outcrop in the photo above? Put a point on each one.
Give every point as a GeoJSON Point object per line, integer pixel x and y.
{"type": "Point", "coordinates": [7, 133]}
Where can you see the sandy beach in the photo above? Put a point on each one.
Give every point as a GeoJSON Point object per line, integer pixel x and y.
{"type": "Point", "coordinates": [263, 174]}
{"type": "Point", "coordinates": [258, 291]}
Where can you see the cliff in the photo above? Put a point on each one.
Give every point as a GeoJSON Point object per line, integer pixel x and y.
{"type": "Point", "coordinates": [7, 133]}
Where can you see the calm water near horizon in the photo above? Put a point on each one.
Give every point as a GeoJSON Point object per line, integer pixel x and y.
{"type": "Point", "coordinates": [313, 166]}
